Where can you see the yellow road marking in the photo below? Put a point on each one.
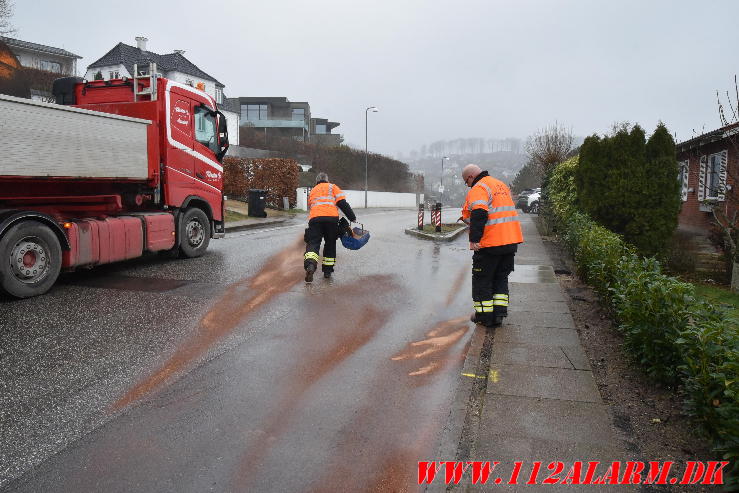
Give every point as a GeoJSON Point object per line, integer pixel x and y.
{"type": "Point", "coordinates": [493, 376]}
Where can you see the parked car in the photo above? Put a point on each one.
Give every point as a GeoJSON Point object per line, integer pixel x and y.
{"type": "Point", "coordinates": [522, 198]}
{"type": "Point", "coordinates": [532, 204]}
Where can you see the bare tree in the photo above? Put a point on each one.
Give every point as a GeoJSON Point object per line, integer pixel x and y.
{"type": "Point", "coordinates": [726, 214]}
{"type": "Point", "coordinates": [550, 145]}
{"type": "Point", "coordinates": [6, 12]}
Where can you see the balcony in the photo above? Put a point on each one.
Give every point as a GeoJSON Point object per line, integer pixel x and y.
{"type": "Point", "coordinates": [276, 123]}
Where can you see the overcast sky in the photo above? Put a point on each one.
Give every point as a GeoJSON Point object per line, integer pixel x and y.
{"type": "Point", "coordinates": [437, 69]}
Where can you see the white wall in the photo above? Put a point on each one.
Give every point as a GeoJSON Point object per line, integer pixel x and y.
{"type": "Point", "coordinates": [374, 199]}
{"type": "Point", "coordinates": [232, 120]}
{"type": "Point", "coordinates": [105, 71]}
{"type": "Point", "coordinates": [210, 86]}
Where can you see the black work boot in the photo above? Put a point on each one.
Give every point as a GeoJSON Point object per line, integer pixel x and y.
{"type": "Point", "coordinates": [327, 274]}
{"type": "Point", "coordinates": [486, 319]}
{"type": "Point", "coordinates": [309, 270]}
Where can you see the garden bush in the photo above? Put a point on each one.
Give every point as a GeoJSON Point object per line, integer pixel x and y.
{"type": "Point", "coordinates": [677, 339]}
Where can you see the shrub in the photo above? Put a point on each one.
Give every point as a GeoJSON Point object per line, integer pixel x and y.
{"type": "Point", "coordinates": [278, 176]}
{"type": "Point", "coordinates": [677, 340]}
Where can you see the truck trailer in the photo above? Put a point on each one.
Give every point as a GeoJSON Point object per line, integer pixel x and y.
{"type": "Point", "coordinates": [112, 170]}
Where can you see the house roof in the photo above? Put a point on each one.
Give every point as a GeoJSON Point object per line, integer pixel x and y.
{"type": "Point", "coordinates": [128, 55]}
{"type": "Point", "coordinates": [708, 137]}
{"type": "Point", "coordinates": [17, 43]}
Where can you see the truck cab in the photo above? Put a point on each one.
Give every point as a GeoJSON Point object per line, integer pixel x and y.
{"type": "Point", "coordinates": [116, 169]}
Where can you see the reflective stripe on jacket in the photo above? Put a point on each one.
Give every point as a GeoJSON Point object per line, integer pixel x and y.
{"type": "Point", "coordinates": [322, 200]}
{"type": "Point", "coordinates": [502, 227]}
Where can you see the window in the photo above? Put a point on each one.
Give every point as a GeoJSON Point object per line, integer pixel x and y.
{"type": "Point", "coordinates": [50, 66]}
{"type": "Point", "coordinates": [713, 176]}
{"type": "Point", "coordinates": [113, 75]}
{"type": "Point", "coordinates": [253, 112]}
{"type": "Point", "coordinates": [682, 178]}
{"type": "Point", "coordinates": [219, 95]}
{"type": "Point", "coordinates": [189, 82]}
{"type": "Point", "coordinates": [320, 128]}
{"type": "Point", "coordinates": [298, 114]}
{"type": "Point", "coordinates": [205, 128]}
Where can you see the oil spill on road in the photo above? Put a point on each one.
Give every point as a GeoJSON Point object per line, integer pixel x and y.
{"type": "Point", "coordinates": [432, 353]}
{"type": "Point", "coordinates": [457, 285]}
{"type": "Point", "coordinates": [279, 274]}
{"type": "Point", "coordinates": [397, 425]}
{"type": "Point", "coordinates": [324, 342]}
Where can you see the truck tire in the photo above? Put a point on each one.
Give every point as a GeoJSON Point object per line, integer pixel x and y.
{"type": "Point", "coordinates": [534, 208]}
{"type": "Point", "coordinates": [195, 233]}
{"type": "Point", "coordinates": [30, 260]}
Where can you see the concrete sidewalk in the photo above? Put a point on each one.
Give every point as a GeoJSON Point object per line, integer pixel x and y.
{"type": "Point", "coordinates": [530, 392]}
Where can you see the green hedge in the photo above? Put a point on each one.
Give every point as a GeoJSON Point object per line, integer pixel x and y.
{"type": "Point", "coordinates": [677, 339]}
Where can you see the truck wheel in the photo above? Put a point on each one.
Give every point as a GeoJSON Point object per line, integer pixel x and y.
{"type": "Point", "coordinates": [195, 233]}
{"type": "Point", "coordinates": [534, 209]}
{"type": "Point", "coordinates": [30, 260]}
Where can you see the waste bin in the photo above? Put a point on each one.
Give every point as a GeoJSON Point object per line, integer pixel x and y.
{"type": "Point", "coordinates": [257, 202]}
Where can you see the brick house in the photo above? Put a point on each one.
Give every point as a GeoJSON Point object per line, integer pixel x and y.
{"type": "Point", "coordinates": [709, 168]}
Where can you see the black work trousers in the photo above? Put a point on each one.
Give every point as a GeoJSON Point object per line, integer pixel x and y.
{"type": "Point", "coordinates": [326, 229]}
{"type": "Point", "coordinates": [490, 271]}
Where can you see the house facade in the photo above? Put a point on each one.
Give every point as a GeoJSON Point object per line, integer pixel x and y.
{"type": "Point", "coordinates": [280, 117]}
{"type": "Point", "coordinates": [275, 116]}
{"type": "Point", "coordinates": [42, 57]}
{"type": "Point", "coordinates": [119, 62]}
{"type": "Point", "coordinates": [709, 168]}
{"type": "Point", "coordinates": [321, 132]}
{"type": "Point", "coordinates": [46, 62]}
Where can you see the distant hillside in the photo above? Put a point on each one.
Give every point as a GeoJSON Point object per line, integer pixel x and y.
{"type": "Point", "coordinates": [502, 164]}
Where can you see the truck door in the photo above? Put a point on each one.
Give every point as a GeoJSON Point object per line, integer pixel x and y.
{"type": "Point", "coordinates": [206, 144]}
{"type": "Point", "coordinates": [180, 160]}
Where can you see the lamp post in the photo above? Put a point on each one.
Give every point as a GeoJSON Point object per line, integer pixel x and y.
{"type": "Point", "coordinates": [373, 109]}
{"type": "Point", "coordinates": [442, 179]}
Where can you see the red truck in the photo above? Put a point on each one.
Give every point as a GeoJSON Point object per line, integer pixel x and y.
{"type": "Point", "coordinates": [114, 170]}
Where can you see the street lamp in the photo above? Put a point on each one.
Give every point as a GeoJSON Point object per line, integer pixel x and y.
{"type": "Point", "coordinates": [442, 179]}
{"type": "Point", "coordinates": [373, 109]}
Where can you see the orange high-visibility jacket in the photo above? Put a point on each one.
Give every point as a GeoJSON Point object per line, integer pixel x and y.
{"type": "Point", "coordinates": [502, 227]}
{"type": "Point", "coordinates": [322, 200]}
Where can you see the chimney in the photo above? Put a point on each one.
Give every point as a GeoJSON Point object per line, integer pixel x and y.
{"type": "Point", "coordinates": [180, 52]}
{"type": "Point", "coordinates": [141, 42]}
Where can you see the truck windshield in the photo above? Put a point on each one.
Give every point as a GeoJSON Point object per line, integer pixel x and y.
{"type": "Point", "coordinates": [205, 128]}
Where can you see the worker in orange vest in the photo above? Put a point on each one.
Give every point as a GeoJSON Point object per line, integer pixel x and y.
{"type": "Point", "coordinates": [495, 233]}
{"type": "Point", "coordinates": [324, 202]}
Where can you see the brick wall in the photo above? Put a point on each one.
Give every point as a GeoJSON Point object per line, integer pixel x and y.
{"type": "Point", "coordinates": [691, 217]}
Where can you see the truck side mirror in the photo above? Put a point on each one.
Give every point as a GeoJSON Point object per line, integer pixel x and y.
{"type": "Point", "coordinates": [222, 135]}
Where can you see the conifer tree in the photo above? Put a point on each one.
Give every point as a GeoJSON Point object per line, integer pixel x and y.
{"type": "Point", "coordinates": [630, 186]}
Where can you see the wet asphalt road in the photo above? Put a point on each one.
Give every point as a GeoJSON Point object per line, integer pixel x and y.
{"type": "Point", "coordinates": [229, 373]}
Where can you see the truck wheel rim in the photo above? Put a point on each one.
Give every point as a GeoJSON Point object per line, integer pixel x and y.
{"type": "Point", "coordinates": [195, 233]}
{"type": "Point", "coordinates": [29, 260]}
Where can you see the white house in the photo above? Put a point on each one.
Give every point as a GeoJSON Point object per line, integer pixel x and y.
{"type": "Point", "coordinates": [119, 62]}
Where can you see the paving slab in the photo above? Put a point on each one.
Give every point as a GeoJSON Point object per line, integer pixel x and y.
{"type": "Point", "coordinates": [547, 419]}
{"type": "Point", "coordinates": [527, 450]}
{"type": "Point", "coordinates": [549, 383]}
{"type": "Point", "coordinates": [521, 292]}
{"type": "Point", "coordinates": [506, 353]}
{"type": "Point", "coordinates": [577, 357]}
{"type": "Point", "coordinates": [533, 274]}
{"type": "Point", "coordinates": [529, 318]}
{"type": "Point", "coordinates": [541, 306]}
{"type": "Point", "coordinates": [538, 336]}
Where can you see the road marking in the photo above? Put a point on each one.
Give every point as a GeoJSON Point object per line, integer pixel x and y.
{"type": "Point", "coordinates": [493, 376]}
